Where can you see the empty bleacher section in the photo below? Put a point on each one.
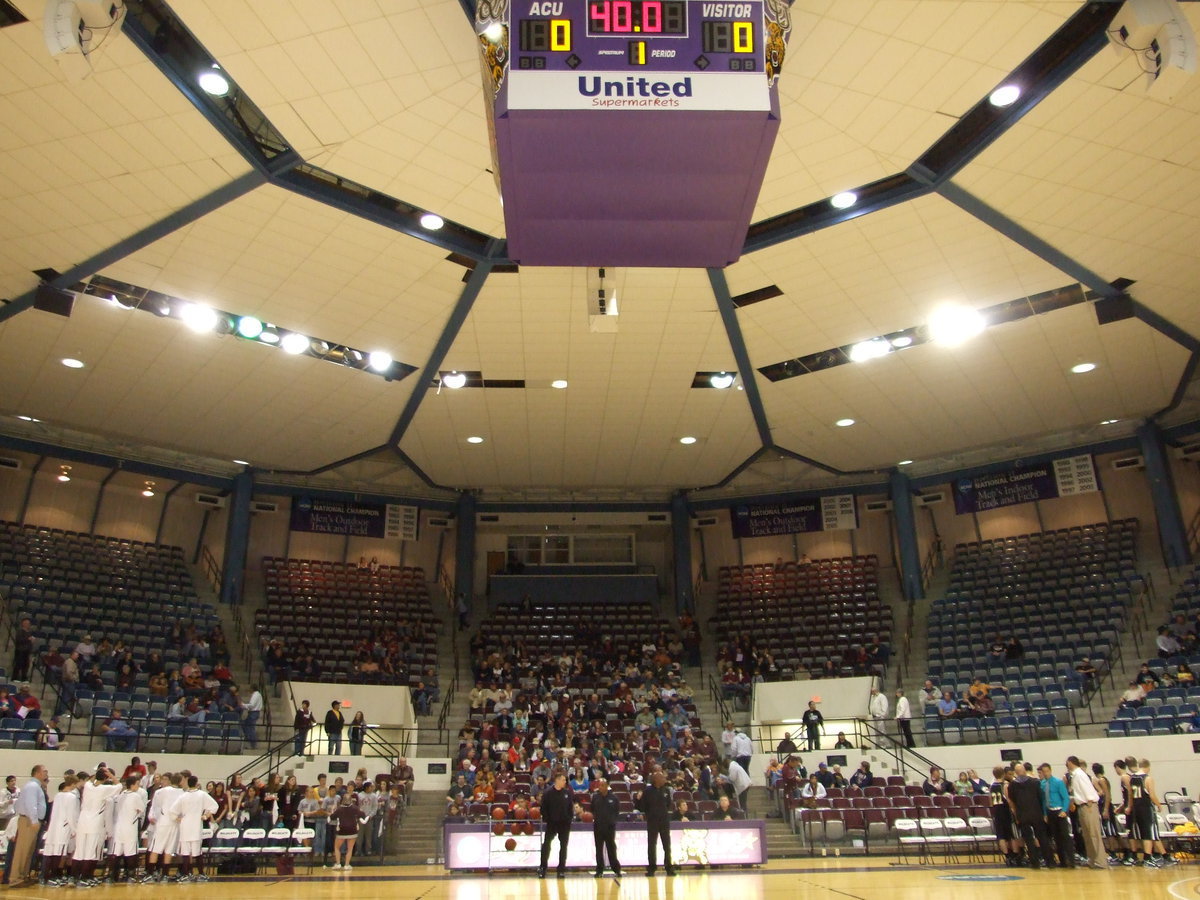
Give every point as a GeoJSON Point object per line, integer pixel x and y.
{"type": "Point", "coordinates": [1172, 696]}
{"type": "Point", "coordinates": [1021, 612]}
{"type": "Point", "coordinates": [580, 586]}
{"type": "Point", "coordinates": [135, 596]}
{"type": "Point", "coordinates": [819, 618]}
{"type": "Point", "coordinates": [357, 625]}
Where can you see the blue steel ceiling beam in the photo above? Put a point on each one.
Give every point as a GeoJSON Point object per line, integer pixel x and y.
{"type": "Point", "coordinates": [1051, 64]}
{"type": "Point", "coordinates": [240, 186]}
{"type": "Point", "coordinates": [741, 356]}
{"type": "Point", "coordinates": [466, 300]}
{"type": "Point", "coordinates": [1023, 237]}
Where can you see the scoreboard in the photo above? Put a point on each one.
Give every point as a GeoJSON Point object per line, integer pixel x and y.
{"type": "Point", "coordinates": [631, 132]}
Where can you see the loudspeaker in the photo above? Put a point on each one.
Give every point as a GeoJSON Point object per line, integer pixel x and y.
{"type": "Point", "coordinates": [54, 300]}
{"type": "Point", "coordinates": [1114, 309]}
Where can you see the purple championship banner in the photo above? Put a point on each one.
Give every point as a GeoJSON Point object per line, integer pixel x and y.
{"type": "Point", "coordinates": [474, 846]}
{"type": "Point", "coordinates": [337, 517]}
{"type": "Point", "coordinates": [1025, 484]}
{"type": "Point", "coordinates": [796, 516]}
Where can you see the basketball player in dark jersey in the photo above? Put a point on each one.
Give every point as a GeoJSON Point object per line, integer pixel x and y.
{"type": "Point", "coordinates": [1108, 824]}
{"type": "Point", "coordinates": [1140, 813]}
{"type": "Point", "coordinates": [1002, 819]}
{"type": "Point", "coordinates": [1121, 767]}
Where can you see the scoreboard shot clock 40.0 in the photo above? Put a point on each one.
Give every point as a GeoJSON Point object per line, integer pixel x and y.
{"type": "Point", "coordinates": [631, 132]}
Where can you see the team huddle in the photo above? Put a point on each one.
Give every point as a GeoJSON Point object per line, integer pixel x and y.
{"type": "Point", "coordinates": [99, 818]}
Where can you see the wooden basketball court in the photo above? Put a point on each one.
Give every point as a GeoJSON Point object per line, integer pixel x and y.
{"type": "Point", "coordinates": [832, 879]}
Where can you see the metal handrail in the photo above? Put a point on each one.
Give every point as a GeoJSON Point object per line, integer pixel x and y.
{"type": "Point", "coordinates": [212, 571]}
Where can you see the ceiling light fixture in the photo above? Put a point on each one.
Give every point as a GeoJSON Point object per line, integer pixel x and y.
{"type": "Point", "coordinates": [148, 490]}
{"type": "Point", "coordinates": [905, 462]}
{"type": "Point", "coordinates": [872, 349]}
{"type": "Point", "coordinates": [1110, 421]}
{"type": "Point", "coordinates": [687, 440]}
{"type": "Point", "coordinates": [1005, 95]}
{"type": "Point", "coordinates": [198, 317]}
{"type": "Point", "coordinates": [432, 221]}
{"type": "Point", "coordinates": [294, 343]}
{"type": "Point", "coordinates": [721, 380]}
{"type": "Point", "coordinates": [28, 419]}
{"type": "Point", "coordinates": [249, 327]}
{"type": "Point", "coordinates": [901, 342]}
{"type": "Point", "coordinates": [64, 473]}
{"type": "Point", "coordinates": [1082, 368]}
{"type": "Point", "coordinates": [213, 82]}
{"type": "Point", "coordinates": [379, 360]}
{"type": "Point", "coordinates": [72, 363]}
{"type": "Point", "coordinates": [474, 439]}
{"type": "Point", "coordinates": [953, 325]}
{"type": "Point", "coordinates": [270, 335]}
{"type": "Point", "coordinates": [843, 200]}
{"type": "Point", "coordinates": [558, 383]}
{"type": "Point", "coordinates": [241, 462]}
{"type": "Point", "coordinates": [844, 423]}
{"type": "Point", "coordinates": [454, 380]}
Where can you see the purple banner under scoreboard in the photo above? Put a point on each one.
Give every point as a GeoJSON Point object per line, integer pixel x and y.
{"type": "Point", "coordinates": [337, 517]}
{"type": "Point", "coordinates": [1025, 484]}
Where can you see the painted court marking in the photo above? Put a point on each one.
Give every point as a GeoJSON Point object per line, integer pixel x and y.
{"type": "Point", "coordinates": [1178, 891]}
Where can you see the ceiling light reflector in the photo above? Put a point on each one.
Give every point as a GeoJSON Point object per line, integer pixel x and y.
{"type": "Point", "coordinates": [198, 317]}
{"type": "Point", "coordinates": [1081, 368]}
{"type": "Point", "coordinates": [214, 83]}
{"type": "Point", "coordinates": [953, 325]}
{"type": "Point", "coordinates": [905, 462]}
{"type": "Point", "coordinates": [1005, 96]}
{"type": "Point", "coordinates": [903, 341]}
{"type": "Point", "coordinates": [844, 423]}
{"type": "Point", "coordinates": [249, 327]}
{"type": "Point", "coordinates": [432, 221]}
{"type": "Point", "coordinates": [379, 360]}
{"type": "Point", "coordinates": [721, 380]}
{"type": "Point", "coordinates": [454, 380]}
{"type": "Point", "coordinates": [844, 200]}
{"type": "Point", "coordinates": [872, 349]}
{"type": "Point", "coordinates": [474, 439]}
{"type": "Point", "coordinates": [294, 343]}
{"type": "Point", "coordinates": [71, 363]}
{"type": "Point", "coordinates": [558, 383]}
{"type": "Point", "coordinates": [687, 440]}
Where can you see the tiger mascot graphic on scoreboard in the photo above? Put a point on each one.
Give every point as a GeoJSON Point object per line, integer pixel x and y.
{"type": "Point", "coordinates": [779, 27]}
{"type": "Point", "coordinates": [491, 13]}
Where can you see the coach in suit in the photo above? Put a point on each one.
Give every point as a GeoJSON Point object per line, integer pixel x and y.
{"type": "Point", "coordinates": [558, 808]}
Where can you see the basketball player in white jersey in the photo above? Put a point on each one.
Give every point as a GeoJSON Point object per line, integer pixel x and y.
{"type": "Point", "coordinates": [60, 832]}
{"type": "Point", "coordinates": [166, 834]}
{"type": "Point", "coordinates": [128, 807]}
{"type": "Point", "coordinates": [90, 829]}
{"type": "Point", "coordinates": [189, 811]}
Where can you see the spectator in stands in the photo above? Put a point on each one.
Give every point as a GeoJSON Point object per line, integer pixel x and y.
{"type": "Point", "coordinates": [930, 693]}
{"type": "Point", "coordinates": [862, 776]}
{"type": "Point", "coordinates": [86, 649]}
{"type": "Point", "coordinates": [301, 724]}
{"type": "Point", "coordinates": [357, 733]}
{"type": "Point", "coordinates": [726, 812]}
{"type": "Point", "coordinates": [904, 718]}
{"type": "Point", "coordinates": [23, 649]}
{"type": "Point", "coordinates": [936, 784]}
{"type": "Point", "coordinates": [402, 774]}
{"type": "Point", "coordinates": [963, 786]}
{"type": "Point", "coordinates": [813, 721]}
{"type": "Point", "coordinates": [787, 745]}
{"type": "Point", "coordinates": [1013, 649]}
{"type": "Point", "coordinates": [813, 791]}
{"type": "Point", "coordinates": [1146, 678]}
{"type": "Point", "coordinates": [1086, 670]}
{"type": "Point", "coordinates": [119, 734]}
{"type": "Point", "coordinates": [1184, 675]}
{"type": "Point", "coordinates": [1168, 645]}
{"type": "Point", "coordinates": [947, 707]}
{"type": "Point", "coordinates": [1134, 695]}
{"type": "Point", "coordinates": [26, 704]}
{"type": "Point", "coordinates": [842, 742]}
{"type": "Point", "coordinates": [8, 706]}
{"type": "Point", "coordinates": [50, 736]}
{"type": "Point", "coordinates": [334, 723]}
{"type": "Point", "coordinates": [824, 775]}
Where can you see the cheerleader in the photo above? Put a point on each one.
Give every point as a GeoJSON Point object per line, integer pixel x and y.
{"type": "Point", "coordinates": [60, 832]}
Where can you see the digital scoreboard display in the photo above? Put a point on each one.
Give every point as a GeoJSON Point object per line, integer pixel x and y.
{"type": "Point", "coordinates": [632, 132]}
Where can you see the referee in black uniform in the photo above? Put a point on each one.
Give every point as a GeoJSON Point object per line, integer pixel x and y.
{"type": "Point", "coordinates": [655, 804]}
{"type": "Point", "coordinates": [606, 809]}
{"type": "Point", "coordinates": [558, 807]}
